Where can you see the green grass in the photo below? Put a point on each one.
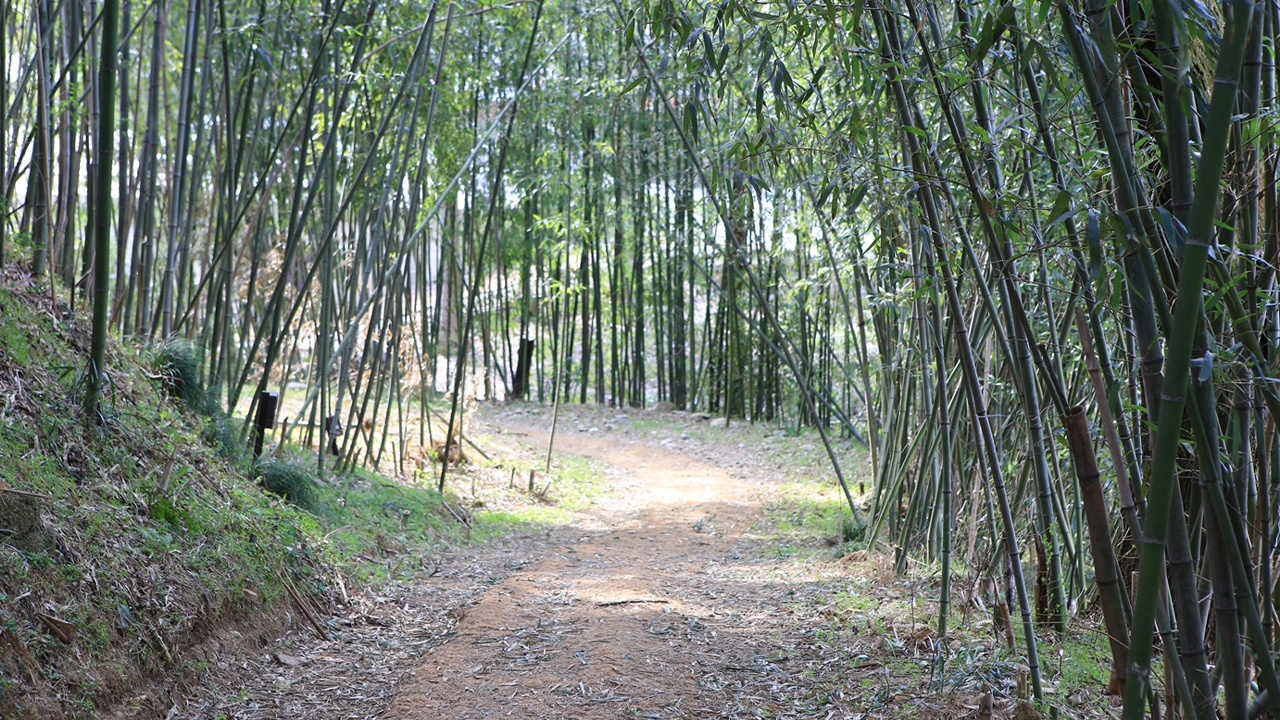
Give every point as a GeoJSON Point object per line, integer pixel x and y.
{"type": "Point", "coordinates": [810, 509]}
{"type": "Point", "coordinates": [364, 518]}
{"type": "Point", "coordinates": [1081, 659]}
{"type": "Point", "coordinates": [575, 484]}
{"type": "Point", "coordinates": [806, 510]}
{"type": "Point", "coordinates": [14, 342]}
{"type": "Point", "coordinates": [150, 534]}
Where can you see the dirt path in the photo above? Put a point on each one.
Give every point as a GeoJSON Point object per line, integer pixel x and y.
{"type": "Point", "coordinates": [627, 620]}
{"type": "Point", "coordinates": [667, 599]}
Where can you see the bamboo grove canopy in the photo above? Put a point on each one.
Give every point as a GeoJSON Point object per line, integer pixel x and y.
{"type": "Point", "coordinates": [1024, 252]}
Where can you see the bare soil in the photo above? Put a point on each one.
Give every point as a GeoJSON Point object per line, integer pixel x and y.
{"type": "Point", "coordinates": [669, 598]}
{"type": "Point", "coordinates": [634, 618]}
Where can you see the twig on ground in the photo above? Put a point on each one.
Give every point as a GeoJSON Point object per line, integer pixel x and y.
{"type": "Point", "coordinates": [297, 599]}
{"type": "Point", "coordinates": [28, 493]}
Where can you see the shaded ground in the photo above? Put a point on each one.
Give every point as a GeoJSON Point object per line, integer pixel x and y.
{"type": "Point", "coordinates": [672, 597]}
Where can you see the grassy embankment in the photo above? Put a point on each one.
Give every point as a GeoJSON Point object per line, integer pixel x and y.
{"type": "Point", "coordinates": [127, 541]}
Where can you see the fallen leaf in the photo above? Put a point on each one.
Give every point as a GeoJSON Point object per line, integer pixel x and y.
{"type": "Point", "coordinates": [289, 660]}
{"type": "Point", "coordinates": [59, 628]}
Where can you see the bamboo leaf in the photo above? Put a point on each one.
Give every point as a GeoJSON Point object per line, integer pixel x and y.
{"type": "Point", "coordinates": [1042, 12]}
{"type": "Point", "coordinates": [859, 193]}
{"type": "Point", "coordinates": [264, 56]}
{"type": "Point", "coordinates": [693, 37]}
{"type": "Point", "coordinates": [637, 82]}
{"type": "Point", "coordinates": [691, 117]}
{"type": "Point", "coordinates": [1214, 300]}
{"type": "Point", "coordinates": [993, 26]}
{"type": "Point", "coordinates": [1061, 204]}
{"type": "Point", "coordinates": [822, 196]}
{"type": "Point", "coordinates": [1203, 366]}
{"type": "Point", "coordinates": [986, 36]}
{"type": "Point", "coordinates": [1174, 231]}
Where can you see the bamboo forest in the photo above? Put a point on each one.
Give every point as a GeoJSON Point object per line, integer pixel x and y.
{"type": "Point", "coordinates": [1010, 267]}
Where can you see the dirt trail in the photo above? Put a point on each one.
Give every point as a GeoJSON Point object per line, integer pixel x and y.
{"type": "Point", "coordinates": [628, 620]}
{"type": "Point", "coordinates": [669, 598]}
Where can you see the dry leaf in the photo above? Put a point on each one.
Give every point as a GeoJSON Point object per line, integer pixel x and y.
{"type": "Point", "coordinates": [59, 628]}
{"type": "Point", "coordinates": [289, 660]}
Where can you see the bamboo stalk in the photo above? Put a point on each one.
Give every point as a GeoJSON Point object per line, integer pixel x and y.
{"type": "Point", "coordinates": [1177, 363]}
{"type": "Point", "coordinates": [101, 223]}
{"type": "Point", "coordinates": [1106, 569]}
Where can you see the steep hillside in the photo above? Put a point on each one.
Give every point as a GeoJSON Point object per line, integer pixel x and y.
{"type": "Point", "coordinates": [128, 541]}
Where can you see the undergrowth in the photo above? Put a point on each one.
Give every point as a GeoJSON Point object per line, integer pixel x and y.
{"type": "Point", "coordinates": [886, 609]}
{"type": "Point", "coordinates": [127, 539]}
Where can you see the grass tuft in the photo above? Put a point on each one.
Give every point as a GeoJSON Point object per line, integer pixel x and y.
{"type": "Point", "coordinates": [290, 480]}
{"type": "Point", "coordinates": [178, 362]}
{"type": "Point", "coordinates": [852, 529]}
{"type": "Point", "coordinates": [221, 432]}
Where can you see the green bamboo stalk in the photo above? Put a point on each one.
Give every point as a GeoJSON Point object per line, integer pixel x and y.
{"type": "Point", "coordinates": [946, 471]}
{"type": "Point", "coordinates": [1226, 526]}
{"type": "Point", "coordinates": [101, 223]}
{"type": "Point", "coordinates": [441, 201]}
{"type": "Point", "coordinates": [504, 143]}
{"type": "Point", "coordinates": [972, 382]}
{"type": "Point", "coordinates": [144, 230]}
{"type": "Point", "coordinates": [39, 180]}
{"type": "Point", "coordinates": [179, 173]}
{"type": "Point", "coordinates": [1001, 255]}
{"type": "Point", "coordinates": [1178, 360]}
{"type": "Point", "coordinates": [6, 122]}
{"type": "Point", "coordinates": [1139, 275]}
{"type": "Point", "coordinates": [784, 351]}
{"type": "Point", "coordinates": [4, 133]}
{"type": "Point", "coordinates": [1229, 665]}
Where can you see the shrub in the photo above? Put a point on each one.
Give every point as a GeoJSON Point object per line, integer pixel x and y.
{"type": "Point", "coordinates": [221, 432]}
{"type": "Point", "coordinates": [178, 362]}
{"type": "Point", "coordinates": [290, 480]}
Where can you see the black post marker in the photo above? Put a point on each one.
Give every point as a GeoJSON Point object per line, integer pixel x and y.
{"type": "Point", "coordinates": [265, 420]}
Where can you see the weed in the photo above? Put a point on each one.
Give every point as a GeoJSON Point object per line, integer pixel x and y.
{"type": "Point", "coordinates": [15, 343]}
{"type": "Point", "coordinates": [164, 510]}
{"type": "Point", "coordinates": [1084, 659]}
